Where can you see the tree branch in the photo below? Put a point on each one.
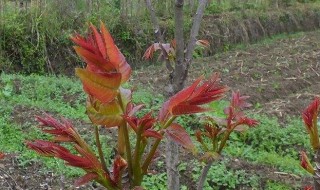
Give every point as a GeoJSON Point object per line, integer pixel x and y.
{"type": "Point", "coordinates": [154, 20]}
{"type": "Point", "coordinates": [204, 174]}
{"type": "Point", "coordinates": [195, 30]}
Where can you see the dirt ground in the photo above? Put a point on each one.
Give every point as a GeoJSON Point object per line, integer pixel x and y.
{"type": "Point", "coordinates": [281, 78]}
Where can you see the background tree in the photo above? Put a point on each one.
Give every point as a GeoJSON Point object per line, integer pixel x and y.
{"type": "Point", "coordinates": [178, 76]}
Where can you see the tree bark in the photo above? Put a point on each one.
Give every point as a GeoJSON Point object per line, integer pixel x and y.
{"type": "Point", "coordinates": [195, 31]}
{"type": "Point", "coordinates": [154, 20]}
{"type": "Point", "coordinates": [178, 76]}
{"type": "Point", "coordinates": [204, 174]}
{"type": "Point", "coordinates": [177, 80]}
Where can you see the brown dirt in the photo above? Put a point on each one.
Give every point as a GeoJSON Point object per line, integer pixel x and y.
{"type": "Point", "coordinates": [281, 78]}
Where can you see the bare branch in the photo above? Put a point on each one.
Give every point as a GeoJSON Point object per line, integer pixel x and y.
{"type": "Point", "coordinates": [195, 30]}
{"type": "Point", "coordinates": [154, 20]}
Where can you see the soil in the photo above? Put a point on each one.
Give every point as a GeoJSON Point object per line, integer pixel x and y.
{"type": "Point", "coordinates": [281, 78]}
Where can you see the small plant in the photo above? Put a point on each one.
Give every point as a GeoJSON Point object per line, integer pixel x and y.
{"type": "Point", "coordinates": [217, 131]}
{"type": "Point", "coordinates": [310, 118]}
{"type": "Point", "coordinates": [109, 105]}
{"type": "Point", "coordinates": [2, 155]}
{"type": "Point", "coordinates": [168, 51]}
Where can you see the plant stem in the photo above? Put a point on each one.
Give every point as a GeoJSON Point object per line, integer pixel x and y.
{"type": "Point", "coordinates": [155, 146]}
{"type": "Point", "coordinates": [204, 174]}
{"type": "Point", "coordinates": [136, 165]}
{"type": "Point", "coordinates": [126, 137]}
{"type": "Point", "coordinates": [224, 141]}
{"type": "Point", "coordinates": [101, 156]}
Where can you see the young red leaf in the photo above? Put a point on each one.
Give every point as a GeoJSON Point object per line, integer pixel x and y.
{"type": "Point", "coordinates": [46, 148]}
{"type": "Point", "coordinates": [152, 133]}
{"type": "Point", "coordinates": [188, 109]}
{"type": "Point", "coordinates": [86, 161]}
{"type": "Point", "coordinates": [203, 43]}
{"type": "Point", "coordinates": [112, 50]}
{"type": "Point", "coordinates": [310, 118]}
{"type": "Point", "coordinates": [103, 87]}
{"type": "Point", "coordinates": [310, 114]}
{"type": "Point", "coordinates": [183, 95]}
{"type": "Point", "coordinates": [83, 43]}
{"type": "Point", "coordinates": [178, 134]}
{"type": "Point", "coordinates": [106, 114]}
{"type": "Point", "coordinates": [93, 59]}
{"type": "Point", "coordinates": [305, 163]}
{"type": "Point", "coordinates": [2, 155]}
{"type": "Point", "coordinates": [119, 165]}
{"type": "Point", "coordinates": [114, 56]}
{"type": "Point", "coordinates": [132, 109]}
{"type": "Point", "coordinates": [85, 179]}
{"type": "Point", "coordinates": [63, 131]}
{"type": "Point", "coordinates": [99, 41]}
{"type": "Point", "coordinates": [190, 99]}
{"type": "Point", "coordinates": [124, 69]}
{"type": "Point", "coordinates": [149, 52]}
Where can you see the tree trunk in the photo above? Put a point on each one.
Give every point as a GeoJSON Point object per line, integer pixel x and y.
{"type": "Point", "coordinates": [177, 82]}
{"type": "Point", "coordinates": [178, 76]}
{"type": "Point", "coordinates": [154, 20]}
{"type": "Point", "coordinates": [204, 174]}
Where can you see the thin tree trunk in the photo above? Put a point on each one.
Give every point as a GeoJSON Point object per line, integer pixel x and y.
{"type": "Point", "coordinates": [154, 20]}
{"type": "Point", "coordinates": [178, 76]}
{"type": "Point", "coordinates": [177, 82]}
{"type": "Point", "coordinates": [204, 174]}
{"type": "Point", "coordinates": [195, 31]}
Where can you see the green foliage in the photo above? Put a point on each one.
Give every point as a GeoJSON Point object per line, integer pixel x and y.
{"type": "Point", "coordinates": [269, 142]}
{"type": "Point", "coordinates": [222, 177]}
{"type": "Point", "coordinates": [155, 181]}
{"type": "Point", "coordinates": [271, 185]}
{"type": "Point", "coordinates": [63, 95]}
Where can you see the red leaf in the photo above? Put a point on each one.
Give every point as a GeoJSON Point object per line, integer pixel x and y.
{"type": "Point", "coordinates": [203, 43]}
{"type": "Point", "coordinates": [46, 148]}
{"type": "Point", "coordinates": [177, 133]}
{"type": "Point", "coordinates": [93, 59]}
{"type": "Point", "coordinates": [114, 55]}
{"type": "Point", "coordinates": [152, 133]}
{"type": "Point", "coordinates": [99, 41]}
{"type": "Point", "coordinates": [188, 109]}
{"type": "Point", "coordinates": [63, 131]}
{"type": "Point", "coordinates": [107, 114]}
{"type": "Point", "coordinates": [77, 39]}
{"type": "Point", "coordinates": [103, 87]}
{"type": "Point", "coordinates": [2, 155]}
{"type": "Point", "coordinates": [308, 188]}
{"type": "Point", "coordinates": [85, 179]}
{"type": "Point", "coordinates": [310, 114]}
{"type": "Point", "coordinates": [183, 95]}
{"type": "Point", "coordinates": [149, 52]}
{"type": "Point", "coordinates": [119, 164]}
{"type": "Point", "coordinates": [124, 69]}
{"type": "Point", "coordinates": [86, 161]}
{"type": "Point", "coordinates": [164, 113]}
{"type": "Point", "coordinates": [132, 109]}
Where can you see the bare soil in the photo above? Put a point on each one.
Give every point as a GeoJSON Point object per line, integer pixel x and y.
{"type": "Point", "coordinates": [281, 78]}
